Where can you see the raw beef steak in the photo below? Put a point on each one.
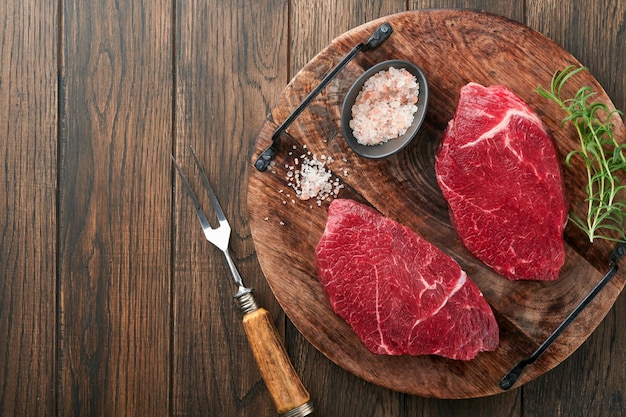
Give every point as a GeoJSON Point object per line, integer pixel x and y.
{"type": "Point", "coordinates": [399, 293]}
{"type": "Point", "coordinates": [499, 172]}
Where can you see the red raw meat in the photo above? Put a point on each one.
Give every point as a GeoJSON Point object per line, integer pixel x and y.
{"type": "Point", "coordinates": [399, 293]}
{"type": "Point", "coordinates": [499, 172]}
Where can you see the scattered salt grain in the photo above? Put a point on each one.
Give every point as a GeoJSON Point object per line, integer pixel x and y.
{"type": "Point", "coordinates": [385, 107]}
{"type": "Point", "coordinates": [311, 179]}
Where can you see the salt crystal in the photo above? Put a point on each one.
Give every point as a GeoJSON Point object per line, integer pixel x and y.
{"type": "Point", "coordinates": [390, 111]}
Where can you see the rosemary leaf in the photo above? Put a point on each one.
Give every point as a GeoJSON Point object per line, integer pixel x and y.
{"type": "Point", "coordinates": [603, 157]}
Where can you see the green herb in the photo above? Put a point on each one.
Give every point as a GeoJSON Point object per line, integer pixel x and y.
{"type": "Point", "coordinates": [601, 154]}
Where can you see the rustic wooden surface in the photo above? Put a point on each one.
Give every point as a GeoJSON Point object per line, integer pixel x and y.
{"type": "Point", "coordinates": [403, 187]}
{"type": "Point", "coordinates": [111, 302]}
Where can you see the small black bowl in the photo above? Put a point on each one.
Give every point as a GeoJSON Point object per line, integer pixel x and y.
{"type": "Point", "coordinates": [393, 145]}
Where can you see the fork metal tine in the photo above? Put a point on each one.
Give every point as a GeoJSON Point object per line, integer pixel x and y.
{"type": "Point", "coordinates": [216, 204]}
{"type": "Point", "coordinates": [218, 236]}
{"type": "Point", "coordinates": [196, 203]}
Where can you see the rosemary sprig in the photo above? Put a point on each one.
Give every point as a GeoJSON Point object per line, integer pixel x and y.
{"type": "Point", "coordinates": [602, 155]}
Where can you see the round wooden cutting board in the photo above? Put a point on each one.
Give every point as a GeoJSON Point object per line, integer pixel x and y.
{"type": "Point", "coordinates": [452, 47]}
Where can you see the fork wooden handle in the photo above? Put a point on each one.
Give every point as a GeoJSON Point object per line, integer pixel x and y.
{"type": "Point", "coordinates": [287, 391]}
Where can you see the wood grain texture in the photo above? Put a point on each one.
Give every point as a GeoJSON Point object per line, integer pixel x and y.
{"type": "Point", "coordinates": [594, 33]}
{"type": "Point", "coordinates": [111, 302]}
{"type": "Point", "coordinates": [114, 189]}
{"type": "Point", "coordinates": [315, 24]}
{"type": "Point", "coordinates": [527, 312]}
{"type": "Point", "coordinates": [230, 64]}
{"type": "Point", "coordinates": [28, 126]}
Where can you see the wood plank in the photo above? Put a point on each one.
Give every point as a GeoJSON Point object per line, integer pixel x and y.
{"type": "Point", "coordinates": [115, 192]}
{"type": "Point", "coordinates": [230, 65]}
{"type": "Point", "coordinates": [314, 25]}
{"type": "Point", "coordinates": [592, 31]}
{"type": "Point", "coordinates": [593, 380]}
{"type": "Point", "coordinates": [28, 104]}
{"type": "Point", "coordinates": [512, 10]}
{"type": "Point", "coordinates": [509, 405]}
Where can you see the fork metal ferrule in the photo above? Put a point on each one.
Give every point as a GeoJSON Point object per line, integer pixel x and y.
{"type": "Point", "coordinates": [246, 300]}
{"type": "Point", "coordinates": [301, 411]}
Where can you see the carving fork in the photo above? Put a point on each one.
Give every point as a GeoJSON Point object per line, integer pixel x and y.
{"type": "Point", "coordinates": [290, 397]}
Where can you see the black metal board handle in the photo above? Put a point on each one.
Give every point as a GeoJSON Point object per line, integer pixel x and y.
{"type": "Point", "coordinates": [513, 375]}
{"type": "Point", "coordinates": [378, 37]}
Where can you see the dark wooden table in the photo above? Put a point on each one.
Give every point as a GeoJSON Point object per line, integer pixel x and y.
{"type": "Point", "coordinates": [111, 302]}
